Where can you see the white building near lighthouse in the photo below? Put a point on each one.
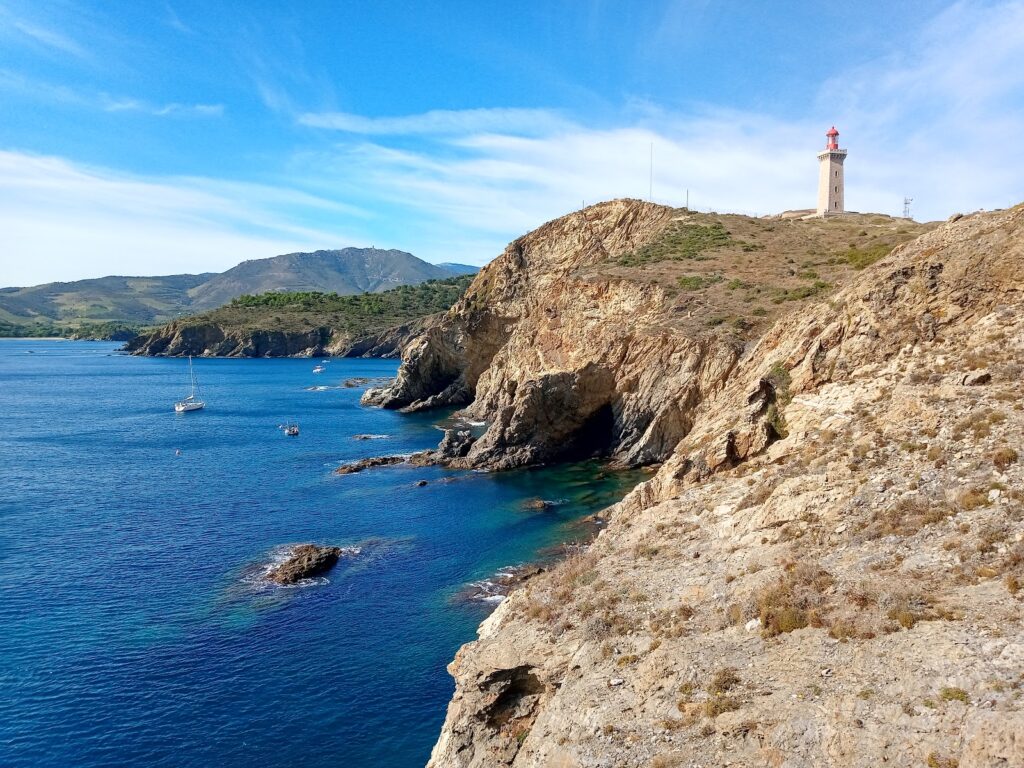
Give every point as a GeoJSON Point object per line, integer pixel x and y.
{"type": "Point", "coordinates": [830, 176]}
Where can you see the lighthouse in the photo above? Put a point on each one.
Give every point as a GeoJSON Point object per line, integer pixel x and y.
{"type": "Point", "coordinates": [830, 175]}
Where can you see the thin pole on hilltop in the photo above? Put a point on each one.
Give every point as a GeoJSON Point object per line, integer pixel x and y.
{"type": "Point", "coordinates": [650, 185]}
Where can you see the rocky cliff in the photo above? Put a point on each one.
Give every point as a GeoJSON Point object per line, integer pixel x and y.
{"type": "Point", "coordinates": [561, 363]}
{"type": "Point", "coordinates": [213, 339]}
{"type": "Point", "coordinates": [603, 331]}
{"type": "Point", "coordinates": [307, 324]}
{"type": "Point", "coordinates": [827, 568]}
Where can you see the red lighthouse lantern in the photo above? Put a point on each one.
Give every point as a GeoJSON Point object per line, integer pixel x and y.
{"type": "Point", "coordinates": [833, 139]}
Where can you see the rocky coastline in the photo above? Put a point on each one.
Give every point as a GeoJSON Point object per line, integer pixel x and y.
{"type": "Point", "coordinates": [826, 568]}
{"type": "Point", "coordinates": [209, 339]}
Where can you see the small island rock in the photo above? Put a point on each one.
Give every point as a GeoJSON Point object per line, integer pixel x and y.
{"type": "Point", "coordinates": [306, 560]}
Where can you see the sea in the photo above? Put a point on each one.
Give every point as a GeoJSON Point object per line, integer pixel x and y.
{"type": "Point", "coordinates": [137, 626]}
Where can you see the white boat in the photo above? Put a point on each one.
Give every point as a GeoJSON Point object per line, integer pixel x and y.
{"type": "Point", "coordinates": [192, 402]}
{"type": "Point", "coordinates": [319, 369]}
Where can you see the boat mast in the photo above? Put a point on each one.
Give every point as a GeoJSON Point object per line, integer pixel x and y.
{"type": "Point", "coordinates": [192, 375]}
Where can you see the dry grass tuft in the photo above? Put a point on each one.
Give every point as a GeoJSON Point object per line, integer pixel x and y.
{"type": "Point", "coordinates": [907, 516]}
{"type": "Point", "coordinates": [723, 680]}
{"type": "Point", "coordinates": [795, 601]}
{"type": "Point", "coordinates": [720, 704]}
{"type": "Point", "coordinates": [1004, 457]}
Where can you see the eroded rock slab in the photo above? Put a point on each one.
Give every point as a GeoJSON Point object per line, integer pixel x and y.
{"type": "Point", "coordinates": [304, 562]}
{"type": "Point", "coordinates": [374, 461]}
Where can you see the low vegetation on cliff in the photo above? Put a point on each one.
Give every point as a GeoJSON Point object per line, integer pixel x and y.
{"type": "Point", "coordinates": [304, 322]}
{"type": "Point", "coordinates": [735, 271]}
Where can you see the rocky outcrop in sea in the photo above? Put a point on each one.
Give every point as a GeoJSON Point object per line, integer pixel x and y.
{"type": "Point", "coordinates": [304, 561]}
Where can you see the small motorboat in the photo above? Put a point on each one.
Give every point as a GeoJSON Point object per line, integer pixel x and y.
{"type": "Point", "coordinates": [319, 369]}
{"type": "Point", "coordinates": [291, 429]}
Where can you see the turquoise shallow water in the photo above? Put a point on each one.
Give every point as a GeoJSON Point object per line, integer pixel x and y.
{"type": "Point", "coordinates": [134, 629]}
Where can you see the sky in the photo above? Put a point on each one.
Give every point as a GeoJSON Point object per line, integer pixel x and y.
{"type": "Point", "coordinates": [180, 136]}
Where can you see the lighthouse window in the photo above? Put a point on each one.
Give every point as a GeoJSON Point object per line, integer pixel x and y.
{"type": "Point", "coordinates": [837, 189]}
{"type": "Point", "coordinates": [837, 174]}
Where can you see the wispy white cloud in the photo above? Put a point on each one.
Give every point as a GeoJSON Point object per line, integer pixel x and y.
{"type": "Point", "coordinates": [60, 220]}
{"type": "Point", "coordinates": [35, 30]}
{"type": "Point", "coordinates": [50, 38]}
{"type": "Point", "coordinates": [62, 94]}
{"type": "Point", "coordinates": [174, 21]}
{"type": "Point", "coordinates": [441, 121]}
{"type": "Point", "coordinates": [112, 104]}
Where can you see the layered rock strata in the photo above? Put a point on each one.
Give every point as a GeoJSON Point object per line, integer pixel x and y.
{"type": "Point", "coordinates": [559, 362]}
{"type": "Point", "coordinates": [827, 570]}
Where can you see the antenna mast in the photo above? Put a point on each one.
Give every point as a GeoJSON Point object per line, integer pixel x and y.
{"type": "Point", "coordinates": [906, 206]}
{"type": "Point", "coordinates": [650, 186]}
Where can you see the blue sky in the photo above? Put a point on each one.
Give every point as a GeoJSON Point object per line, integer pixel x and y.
{"type": "Point", "coordinates": [164, 137]}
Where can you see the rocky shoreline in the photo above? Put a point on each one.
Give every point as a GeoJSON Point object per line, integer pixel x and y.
{"type": "Point", "coordinates": [827, 566]}
{"type": "Point", "coordinates": [199, 339]}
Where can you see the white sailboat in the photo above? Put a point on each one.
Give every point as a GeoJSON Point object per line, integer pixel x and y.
{"type": "Point", "coordinates": [192, 402]}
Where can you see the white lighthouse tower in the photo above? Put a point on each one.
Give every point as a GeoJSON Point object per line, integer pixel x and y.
{"type": "Point", "coordinates": [830, 176]}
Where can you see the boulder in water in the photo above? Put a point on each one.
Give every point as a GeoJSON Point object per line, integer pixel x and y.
{"type": "Point", "coordinates": [376, 461]}
{"type": "Point", "coordinates": [305, 561]}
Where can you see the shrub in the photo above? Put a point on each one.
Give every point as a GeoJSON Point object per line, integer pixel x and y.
{"type": "Point", "coordinates": [907, 516]}
{"type": "Point", "coordinates": [719, 704]}
{"type": "Point", "coordinates": [972, 498]}
{"type": "Point", "coordinates": [801, 292]}
{"type": "Point", "coordinates": [935, 760]}
{"type": "Point", "coordinates": [859, 258]}
{"type": "Point", "coordinates": [1012, 584]}
{"type": "Point", "coordinates": [723, 680]}
{"type": "Point", "coordinates": [794, 601]}
{"type": "Point", "coordinates": [954, 694]}
{"type": "Point", "coordinates": [680, 241]}
{"type": "Point", "coordinates": [1004, 457]}
{"type": "Point", "coordinates": [698, 282]}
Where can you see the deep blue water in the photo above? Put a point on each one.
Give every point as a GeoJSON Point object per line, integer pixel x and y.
{"type": "Point", "coordinates": [133, 628]}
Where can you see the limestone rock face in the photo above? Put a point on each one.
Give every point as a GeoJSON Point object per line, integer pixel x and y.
{"type": "Point", "coordinates": [561, 360]}
{"type": "Point", "coordinates": [828, 568]}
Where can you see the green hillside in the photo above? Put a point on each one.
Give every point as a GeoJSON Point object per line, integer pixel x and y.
{"type": "Point", "coordinates": [359, 315]}
{"type": "Point", "coordinates": [280, 324]}
{"type": "Point", "coordinates": [123, 305]}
